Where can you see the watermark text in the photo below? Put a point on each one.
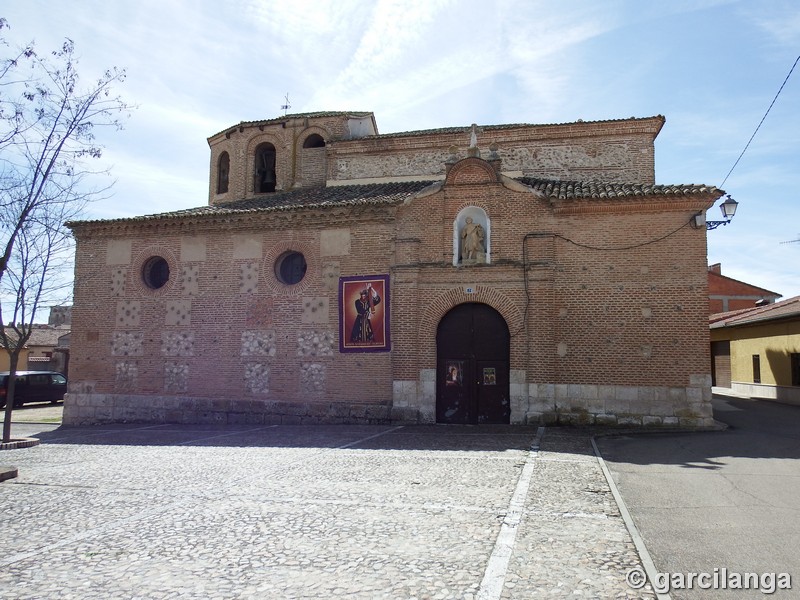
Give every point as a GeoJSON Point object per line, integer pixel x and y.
{"type": "Point", "coordinates": [718, 579]}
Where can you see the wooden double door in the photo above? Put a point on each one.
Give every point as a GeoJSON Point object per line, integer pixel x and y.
{"type": "Point", "coordinates": [721, 364]}
{"type": "Point", "coordinates": [473, 357]}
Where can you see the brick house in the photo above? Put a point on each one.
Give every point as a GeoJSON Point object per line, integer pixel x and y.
{"type": "Point", "coordinates": [504, 273]}
{"type": "Point", "coordinates": [756, 351]}
{"type": "Point", "coordinates": [727, 294]}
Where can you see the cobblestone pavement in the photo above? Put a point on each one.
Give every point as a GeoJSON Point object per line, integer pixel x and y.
{"type": "Point", "coordinates": [180, 511]}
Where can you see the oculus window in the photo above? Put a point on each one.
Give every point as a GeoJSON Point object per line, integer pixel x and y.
{"type": "Point", "coordinates": [155, 272]}
{"type": "Point", "coordinates": [290, 268]}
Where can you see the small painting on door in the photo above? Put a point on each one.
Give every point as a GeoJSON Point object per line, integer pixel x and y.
{"type": "Point", "coordinates": [454, 372]}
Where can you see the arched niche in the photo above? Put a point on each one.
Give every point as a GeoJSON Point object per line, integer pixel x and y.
{"type": "Point", "coordinates": [223, 172]}
{"type": "Point", "coordinates": [314, 140]}
{"type": "Point", "coordinates": [472, 240]}
{"type": "Point", "coordinates": [264, 169]}
{"type": "Point", "coordinates": [313, 168]}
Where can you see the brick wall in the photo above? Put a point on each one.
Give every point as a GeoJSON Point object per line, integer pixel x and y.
{"type": "Point", "coordinates": [295, 166]}
{"type": "Point", "coordinates": [611, 151]}
{"type": "Point", "coordinates": [607, 324]}
{"type": "Point", "coordinates": [587, 155]}
{"type": "Point", "coordinates": [614, 331]}
{"type": "Point", "coordinates": [726, 294]}
{"type": "Point", "coordinates": [605, 298]}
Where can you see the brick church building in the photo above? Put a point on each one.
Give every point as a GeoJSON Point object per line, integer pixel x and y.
{"type": "Point", "coordinates": [497, 274]}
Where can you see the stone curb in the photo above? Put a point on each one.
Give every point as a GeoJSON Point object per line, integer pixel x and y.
{"type": "Point", "coordinates": [19, 443]}
{"type": "Point", "coordinates": [8, 473]}
{"type": "Point", "coordinates": [638, 541]}
{"type": "Point", "coordinates": [641, 548]}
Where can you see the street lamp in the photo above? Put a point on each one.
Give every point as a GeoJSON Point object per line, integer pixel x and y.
{"type": "Point", "coordinates": [728, 209]}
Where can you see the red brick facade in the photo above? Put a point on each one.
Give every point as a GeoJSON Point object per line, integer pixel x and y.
{"type": "Point", "coordinates": [726, 294]}
{"type": "Point", "coordinates": [602, 285]}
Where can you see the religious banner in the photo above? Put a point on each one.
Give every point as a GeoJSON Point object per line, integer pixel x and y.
{"type": "Point", "coordinates": [364, 314]}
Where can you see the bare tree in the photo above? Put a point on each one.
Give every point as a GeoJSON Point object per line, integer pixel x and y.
{"type": "Point", "coordinates": [47, 138]}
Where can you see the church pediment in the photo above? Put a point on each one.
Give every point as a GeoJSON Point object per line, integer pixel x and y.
{"type": "Point", "coordinates": [472, 171]}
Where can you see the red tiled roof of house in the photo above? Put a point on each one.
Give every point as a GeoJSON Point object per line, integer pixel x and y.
{"type": "Point", "coordinates": [759, 314]}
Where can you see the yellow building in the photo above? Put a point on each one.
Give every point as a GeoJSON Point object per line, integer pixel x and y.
{"type": "Point", "coordinates": [756, 351]}
{"type": "Point", "coordinates": [5, 360]}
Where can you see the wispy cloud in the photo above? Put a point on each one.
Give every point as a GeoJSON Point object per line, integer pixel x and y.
{"type": "Point", "coordinates": [152, 186]}
{"type": "Point", "coordinates": [781, 22]}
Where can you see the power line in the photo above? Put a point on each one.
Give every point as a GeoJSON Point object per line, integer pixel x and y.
{"type": "Point", "coordinates": [759, 125]}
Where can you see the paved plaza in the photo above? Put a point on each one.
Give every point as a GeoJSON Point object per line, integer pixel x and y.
{"type": "Point", "coordinates": [182, 511]}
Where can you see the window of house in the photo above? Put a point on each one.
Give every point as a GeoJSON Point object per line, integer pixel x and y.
{"type": "Point", "coordinates": [314, 141]}
{"type": "Point", "coordinates": [155, 272]}
{"type": "Point", "coordinates": [265, 169]}
{"type": "Point", "coordinates": [290, 268]}
{"type": "Point", "coordinates": [795, 358]}
{"type": "Point", "coordinates": [756, 368]}
{"type": "Point", "coordinates": [223, 172]}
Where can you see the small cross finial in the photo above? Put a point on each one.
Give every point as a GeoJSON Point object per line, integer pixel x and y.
{"type": "Point", "coordinates": [473, 138]}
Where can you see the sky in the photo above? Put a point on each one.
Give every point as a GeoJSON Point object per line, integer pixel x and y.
{"type": "Point", "coordinates": [711, 67]}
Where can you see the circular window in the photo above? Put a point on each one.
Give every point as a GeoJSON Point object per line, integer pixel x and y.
{"type": "Point", "coordinates": [290, 268]}
{"type": "Point", "coordinates": [155, 272]}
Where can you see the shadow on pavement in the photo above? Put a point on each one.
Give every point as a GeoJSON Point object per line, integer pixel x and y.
{"type": "Point", "coordinates": [364, 437]}
{"type": "Point", "coordinates": [756, 429]}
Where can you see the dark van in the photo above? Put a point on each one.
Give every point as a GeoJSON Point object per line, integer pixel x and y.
{"type": "Point", "coordinates": [34, 386]}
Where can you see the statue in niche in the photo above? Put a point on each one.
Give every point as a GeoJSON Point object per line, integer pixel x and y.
{"type": "Point", "coordinates": [473, 237]}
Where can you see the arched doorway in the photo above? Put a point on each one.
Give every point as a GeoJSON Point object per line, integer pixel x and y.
{"type": "Point", "coordinates": [472, 375]}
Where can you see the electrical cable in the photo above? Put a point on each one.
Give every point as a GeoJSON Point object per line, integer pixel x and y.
{"type": "Point", "coordinates": [588, 247]}
{"type": "Point", "coordinates": [578, 244]}
{"type": "Point", "coordinates": [759, 125]}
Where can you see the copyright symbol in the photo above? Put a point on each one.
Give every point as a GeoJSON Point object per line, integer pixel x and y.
{"type": "Point", "coordinates": [636, 578]}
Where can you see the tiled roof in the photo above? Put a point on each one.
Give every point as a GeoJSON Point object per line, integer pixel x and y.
{"type": "Point", "coordinates": [41, 335]}
{"type": "Point", "coordinates": [417, 132]}
{"type": "Point", "coordinates": [308, 115]}
{"type": "Point", "coordinates": [729, 314]}
{"type": "Point", "coordinates": [396, 192]}
{"type": "Point", "coordinates": [468, 129]}
{"type": "Point", "coordinates": [565, 190]}
{"type": "Point", "coordinates": [750, 316]}
{"type": "Point", "coordinates": [340, 195]}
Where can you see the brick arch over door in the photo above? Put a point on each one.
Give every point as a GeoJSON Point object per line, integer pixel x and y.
{"type": "Point", "coordinates": [471, 171]}
{"type": "Point", "coordinates": [440, 306]}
